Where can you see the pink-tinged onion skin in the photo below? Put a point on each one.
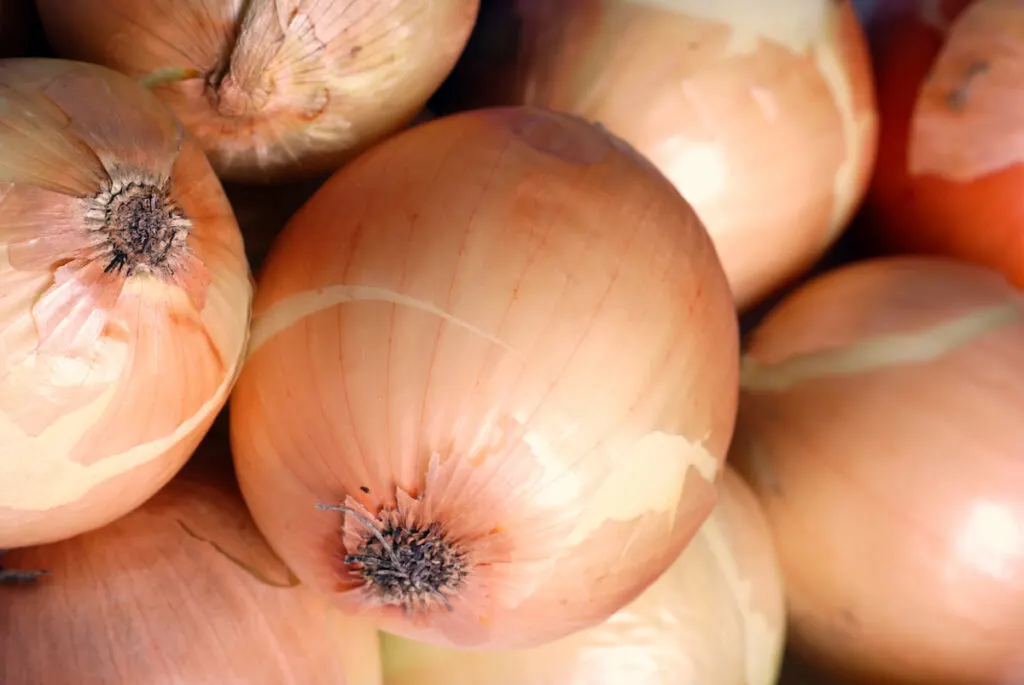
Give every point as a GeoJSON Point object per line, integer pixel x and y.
{"type": "Point", "coordinates": [274, 90]}
{"type": "Point", "coordinates": [880, 424]}
{"type": "Point", "coordinates": [110, 374]}
{"type": "Point", "coordinates": [508, 323]}
{"type": "Point", "coordinates": [716, 617]}
{"type": "Point", "coordinates": [762, 114]}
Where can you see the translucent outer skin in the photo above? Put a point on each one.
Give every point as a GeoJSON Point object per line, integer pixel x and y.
{"type": "Point", "coordinates": [508, 322]}
{"type": "Point", "coordinates": [880, 424]}
{"type": "Point", "coordinates": [716, 617]}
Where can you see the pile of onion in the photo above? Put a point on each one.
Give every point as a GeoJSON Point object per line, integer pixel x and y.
{"type": "Point", "coordinates": [716, 617]}
{"type": "Point", "coordinates": [761, 114]}
{"type": "Point", "coordinates": [951, 164]}
{"type": "Point", "coordinates": [125, 298]}
{"type": "Point", "coordinates": [182, 590]}
{"type": "Point", "coordinates": [492, 379]}
{"type": "Point", "coordinates": [273, 90]}
{"type": "Point", "coordinates": [880, 422]}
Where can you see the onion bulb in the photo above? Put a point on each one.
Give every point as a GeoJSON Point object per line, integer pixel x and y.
{"type": "Point", "coordinates": [182, 590]}
{"type": "Point", "coordinates": [951, 163]}
{"type": "Point", "coordinates": [761, 113]}
{"type": "Point", "coordinates": [274, 90]}
{"type": "Point", "coordinates": [490, 383]}
{"type": "Point", "coordinates": [880, 422]}
{"type": "Point", "coordinates": [716, 617]}
{"type": "Point", "coordinates": [124, 298]}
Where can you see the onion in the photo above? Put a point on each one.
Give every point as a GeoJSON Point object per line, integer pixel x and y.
{"type": "Point", "coordinates": [880, 422]}
{"type": "Point", "coordinates": [182, 590]}
{"type": "Point", "coordinates": [762, 116]}
{"type": "Point", "coordinates": [952, 158]}
{"type": "Point", "coordinates": [502, 333]}
{"type": "Point", "coordinates": [125, 298]}
{"type": "Point", "coordinates": [274, 89]}
{"type": "Point", "coordinates": [716, 617]}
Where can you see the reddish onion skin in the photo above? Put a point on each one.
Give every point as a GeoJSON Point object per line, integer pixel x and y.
{"type": "Point", "coordinates": [507, 322]}
{"type": "Point", "coordinates": [960, 195]}
{"type": "Point", "coordinates": [880, 424]}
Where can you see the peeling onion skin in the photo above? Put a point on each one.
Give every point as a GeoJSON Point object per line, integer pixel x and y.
{"type": "Point", "coordinates": [716, 617]}
{"type": "Point", "coordinates": [761, 114]}
{"type": "Point", "coordinates": [880, 425]}
{"type": "Point", "coordinates": [150, 599]}
{"type": "Point", "coordinates": [111, 371]}
{"type": "Point", "coordinates": [506, 322]}
{"type": "Point", "coordinates": [275, 90]}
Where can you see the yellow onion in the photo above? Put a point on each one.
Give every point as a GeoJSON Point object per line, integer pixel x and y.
{"type": "Point", "coordinates": [499, 345]}
{"type": "Point", "coordinates": [880, 422]}
{"type": "Point", "coordinates": [273, 89]}
{"type": "Point", "coordinates": [124, 298]}
{"type": "Point", "coordinates": [716, 617]}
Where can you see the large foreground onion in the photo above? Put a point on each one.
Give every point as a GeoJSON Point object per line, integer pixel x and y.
{"type": "Point", "coordinates": [124, 298]}
{"type": "Point", "coordinates": [716, 617]}
{"type": "Point", "coordinates": [504, 343]}
{"type": "Point", "coordinates": [181, 591]}
{"type": "Point", "coordinates": [880, 419]}
{"type": "Point", "coordinates": [274, 89]}
{"type": "Point", "coordinates": [761, 113]}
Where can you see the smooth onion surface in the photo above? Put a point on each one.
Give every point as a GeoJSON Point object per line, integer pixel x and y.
{"type": "Point", "coordinates": [761, 113]}
{"type": "Point", "coordinates": [274, 89]}
{"type": "Point", "coordinates": [716, 617]}
{"type": "Point", "coordinates": [880, 422]}
{"type": "Point", "coordinates": [951, 164]}
{"type": "Point", "coordinates": [124, 298]}
{"type": "Point", "coordinates": [183, 590]}
{"type": "Point", "coordinates": [507, 323]}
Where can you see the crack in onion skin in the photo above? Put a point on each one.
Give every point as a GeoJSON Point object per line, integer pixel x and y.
{"type": "Point", "coordinates": [890, 468]}
{"type": "Point", "coordinates": [507, 322]}
{"type": "Point", "coordinates": [274, 90]}
{"type": "Point", "coordinates": [715, 617]}
{"type": "Point", "coordinates": [107, 380]}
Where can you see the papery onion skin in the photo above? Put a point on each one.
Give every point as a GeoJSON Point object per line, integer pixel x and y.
{"type": "Point", "coordinates": [716, 617]}
{"type": "Point", "coordinates": [762, 115]}
{"type": "Point", "coordinates": [880, 425]}
{"type": "Point", "coordinates": [108, 381]}
{"type": "Point", "coordinates": [182, 590]}
{"type": "Point", "coordinates": [274, 90]}
{"type": "Point", "coordinates": [507, 322]}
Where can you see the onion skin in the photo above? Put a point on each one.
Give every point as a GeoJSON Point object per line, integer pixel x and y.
{"type": "Point", "coordinates": [716, 617]}
{"type": "Point", "coordinates": [507, 322]}
{"type": "Point", "coordinates": [108, 381]}
{"type": "Point", "coordinates": [274, 90]}
{"type": "Point", "coordinates": [889, 468]}
{"type": "Point", "coordinates": [190, 592]}
{"type": "Point", "coordinates": [764, 120]}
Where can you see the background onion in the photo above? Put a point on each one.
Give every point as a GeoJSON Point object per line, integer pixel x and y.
{"type": "Point", "coordinates": [274, 89]}
{"type": "Point", "coordinates": [115, 354]}
{"type": "Point", "coordinates": [716, 617]}
{"type": "Point", "coordinates": [508, 323]}
{"type": "Point", "coordinates": [880, 423]}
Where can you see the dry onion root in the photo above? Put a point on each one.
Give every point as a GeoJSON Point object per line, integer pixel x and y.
{"type": "Point", "coordinates": [716, 617]}
{"type": "Point", "coordinates": [500, 350]}
{"type": "Point", "coordinates": [880, 422]}
{"type": "Point", "coordinates": [274, 90]}
{"type": "Point", "coordinates": [125, 298]}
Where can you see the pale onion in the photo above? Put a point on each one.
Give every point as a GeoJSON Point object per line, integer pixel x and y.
{"type": "Point", "coordinates": [880, 421]}
{"type": "Point", "coordinates": [183, 590]}
{"type": "Point", "coordinates": [274, 89]}
{"type": "Point", "coordinates": [115, 356]}
{"type": "Point", "coordinates": [506, 323]}
{"type": "Point", "coordinates": [761, 113]}
{"type": "Point", "coordinates": [716, 617]}
{"type": "Point", "coordinates": [951, 163]}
